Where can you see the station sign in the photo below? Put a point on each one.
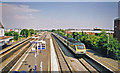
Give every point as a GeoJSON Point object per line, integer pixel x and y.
{"type": "Point", "coordinates": [41, 45]}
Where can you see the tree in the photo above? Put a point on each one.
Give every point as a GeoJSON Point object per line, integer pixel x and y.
{"type": "Point", "coordinates": [31, 31]}
{"type": "Point", "coordinates": [100, 43]}
{"type": "Point", "coordinates": [6, 34]}
{"type": "Point", "coordinates": [24, 33]}
{"type": "Point", "coordinates": [76, 35]}
{"type": "Point", "coordinates": [69, 35]}
{"type": "Point", "coordinates": [53, 30]}
{"type": "Point", "coordinates": [12, 33]}
{"type": "Point", "coordinates": [16, 35]}
{"type": "Point", "coordinates": [61, 33]}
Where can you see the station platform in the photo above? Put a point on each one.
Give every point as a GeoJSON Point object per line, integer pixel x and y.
{"type": "Point", "coordinates": [42, 60]}
{"type": "Point", "coordinates": [107, 62]}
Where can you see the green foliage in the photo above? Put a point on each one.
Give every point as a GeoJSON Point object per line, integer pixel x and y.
{"type": "Point", "coordinates": [59, 31]}
{"type": "Point", "coordinates": [9, 33]}
{"type": "Point", "coordinates": [24, 33]}
{"type": "Point", "coordinates": [100, 43]}
{"type": "Point", "coordinates": [31, 31]}
{"type": "Point", "coordinates": [12, 33]}
{"type": "Point", "coordinates": [16, 36]}
{"type": "Point", "coordinates": [53, 30]}
{"type": "Point", "coordinates": [76, 34]}
{"type": "Point", "coordinates": [69, 35]}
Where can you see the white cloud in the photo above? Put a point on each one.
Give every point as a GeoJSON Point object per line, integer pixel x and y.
{"type": "Point", "coordinates": [18, 11]}
{"type": "Point", "coordinates": [18, 8]}
{"type": "Point", "coordinates": [29, 16]}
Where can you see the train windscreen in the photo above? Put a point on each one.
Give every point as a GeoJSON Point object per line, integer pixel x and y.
{"type": "Point", "coordinates": [80, 47]}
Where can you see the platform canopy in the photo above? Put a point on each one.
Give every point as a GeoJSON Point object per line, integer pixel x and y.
{"type": "Point", "coordinates": [41, 41]}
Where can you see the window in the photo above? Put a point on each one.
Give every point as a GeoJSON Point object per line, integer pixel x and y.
{"type": "Point", "coordinates": [80, 47]}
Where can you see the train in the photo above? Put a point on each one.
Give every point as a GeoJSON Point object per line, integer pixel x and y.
{"type": "Point", "coordinates": [77, 47]}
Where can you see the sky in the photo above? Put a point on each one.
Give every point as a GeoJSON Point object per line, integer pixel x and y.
{"type": "Point", "coordinates": [56, 15]}
{"type": "Point", "coordinates": [60, 0]}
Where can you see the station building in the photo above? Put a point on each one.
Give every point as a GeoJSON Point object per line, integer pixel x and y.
{"type": "Point", "coordinates": [94, 31]}
{"type": "Point", "coordinates": [4, 39]}
{"type": "Point", "coordinates": [117, 29]}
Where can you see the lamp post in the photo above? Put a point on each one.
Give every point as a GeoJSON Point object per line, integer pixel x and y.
{"type": "Point", "coordinates": [108, 44]}
{"type": "Point", "coordinates": [13, 37]}
{"type": "Point", "coordinates": [20, 37]}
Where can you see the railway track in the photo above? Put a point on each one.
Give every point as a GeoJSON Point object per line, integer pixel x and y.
{"type": "Point", "coordinates": [89, 64]}
{"type": "Point", "coordinates": [11, 63]}
{"type": "Point", "coordinates": [11, 56]}
{"type": "Point", "coordinates": [7, 49]}
{"type": "Point", "coordinates": [63, 65]}
{"type": "Point", "coordinates": [10, 52]}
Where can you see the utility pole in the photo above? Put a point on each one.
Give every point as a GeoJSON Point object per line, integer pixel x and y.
{"type": "Point", "coordinates": [108, 44]}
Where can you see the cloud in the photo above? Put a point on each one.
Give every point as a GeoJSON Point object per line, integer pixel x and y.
{"type": "Point", "coordinates": [18, 8]}
{"type": "Point", "coordinates": [18, 11]}
{"type": "Point", "coordinates": [27, 8]}
{"type": "Point", "coordinates": [29, 16]}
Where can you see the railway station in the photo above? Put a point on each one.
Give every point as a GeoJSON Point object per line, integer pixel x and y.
{"type": "Point", "coordinates": [59, 37]}
{"type": "Point", "coordinates": [48, 53]}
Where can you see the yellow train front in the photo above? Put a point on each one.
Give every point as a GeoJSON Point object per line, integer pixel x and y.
{"type": "Point", "coordinates": [80, 49]}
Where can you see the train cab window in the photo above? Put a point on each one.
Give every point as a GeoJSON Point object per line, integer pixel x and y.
{"type": "Point", "coordinates": [80, 47]}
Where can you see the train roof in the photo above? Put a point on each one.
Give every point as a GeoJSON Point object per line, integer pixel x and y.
{"type": "Point", "coordinates": [78, 44]}
{"type": "Point", "coordinates": [71, 40]}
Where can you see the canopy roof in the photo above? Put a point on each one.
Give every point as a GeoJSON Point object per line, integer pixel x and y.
{"type": "Point", "coordinates": [1, 26]}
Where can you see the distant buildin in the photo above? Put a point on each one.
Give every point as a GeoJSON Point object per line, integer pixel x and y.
{"type": "Point", "coordinates": [117, 29]}
{"type": "Point", "coordinates": [94, 31]}
{"type": "Point", "coordinates": [18, 30]}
